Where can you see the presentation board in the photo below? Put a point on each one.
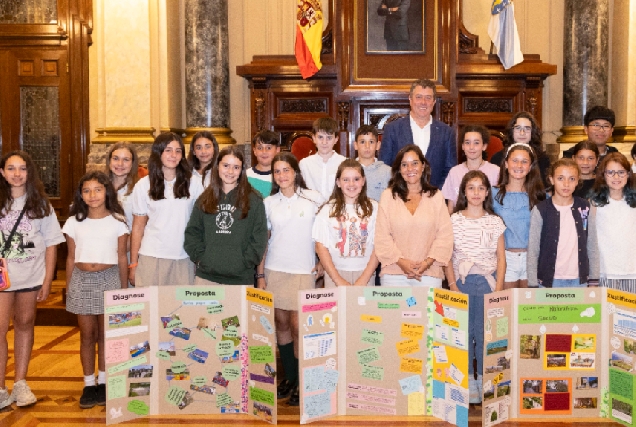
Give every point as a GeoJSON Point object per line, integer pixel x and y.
{"type": "Point", "coordinates": [558, 354]}
{"type": "Point", "coordinates": [383, 351]}
{"type": "Point", "coordinates": [189, 350]}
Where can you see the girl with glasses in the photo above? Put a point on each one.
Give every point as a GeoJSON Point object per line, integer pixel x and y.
{"type": "Point", "coordinates": [612, 222]}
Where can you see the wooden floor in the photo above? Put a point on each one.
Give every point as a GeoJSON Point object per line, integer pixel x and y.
{"type": "Point", "coordinates": [55, 376]}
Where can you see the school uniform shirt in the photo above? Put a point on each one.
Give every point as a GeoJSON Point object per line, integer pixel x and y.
{"type": "Point", "coordinates": [320, 175]}
{"type": "Point", "coordinates": [126, 202]}
{"type": "Point", "coordinates": [87, 232]}
{"type": "Point", "coordinates": [290, 219]}
{"type": "Point", "coordinates": [348, 238]}
{"type": "Point", "coordinates": [167, 218]}
{"type": "Point", "coordinates": [25, 256]}
{"type": "Point", "coordinates": [225, 247]}
{"type": "Point", "coordinates": [205, 181]}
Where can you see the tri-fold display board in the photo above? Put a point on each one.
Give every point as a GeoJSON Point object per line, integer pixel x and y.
{"type": "Point", "coordinates": [383, 351]}
{"type": "Point", "coordinates": [190, 350]}
{"type": "Point", "coordinates": [559, 353]}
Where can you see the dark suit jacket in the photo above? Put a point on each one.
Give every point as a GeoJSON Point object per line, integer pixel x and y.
{"type": "Point", "coordinates": [441, 152]}
{"type": "Point", "coordinates": [395, 25]}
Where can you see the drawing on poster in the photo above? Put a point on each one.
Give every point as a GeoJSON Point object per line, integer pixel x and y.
{"type": "Point", "coordinates": [529, 346]}
{"type": "Point", "coordinates": [122, 320]}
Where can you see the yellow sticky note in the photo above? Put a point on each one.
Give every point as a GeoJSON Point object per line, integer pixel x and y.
{"type": "Point", "coordinates": [451, 322]}
{"type": "Point", "coordinates": [416, 403]}
{"type": "Point", "coordinates": [369, 318]}
{"type": "Point", "coordinates": [407, 347]}
{"type": "Point", "coordinates": [411, 365]}
{"type": "Point", "coordinates": [411, 330]}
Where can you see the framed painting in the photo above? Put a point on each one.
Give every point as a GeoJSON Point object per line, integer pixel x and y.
{"type": "Point", "coordinates": [395, 26]}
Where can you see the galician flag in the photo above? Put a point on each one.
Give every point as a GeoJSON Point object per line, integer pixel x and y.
{"type": "Point", "coordinates": [503, 32]}
{"type": "Point", "coordinates": [308, 37]}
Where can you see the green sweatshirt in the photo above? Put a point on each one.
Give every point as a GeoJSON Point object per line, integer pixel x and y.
{"type": "Point", "coordinates": [225, 247]}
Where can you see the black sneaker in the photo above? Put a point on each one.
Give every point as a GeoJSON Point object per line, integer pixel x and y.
{"type": "Point", "coordinates": [89, 397]}
{"type": "Point", "coordinates": [284, 389]}
{"type": "Point", "coordinates": [100, 395]}
{"type": "Point", "coordinates": [294, 399]}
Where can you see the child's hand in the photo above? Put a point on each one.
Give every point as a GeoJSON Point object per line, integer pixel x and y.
{"type": "Point", "coordinates": [43, 294]}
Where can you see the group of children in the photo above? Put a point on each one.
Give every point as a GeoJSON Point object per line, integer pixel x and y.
{"type": "Point", "coordinates": [279, 225]}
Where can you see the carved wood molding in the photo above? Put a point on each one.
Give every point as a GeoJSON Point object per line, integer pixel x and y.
{"type": "Point", "coordinates": [468, 42]}
{"type": "Point", "coordinates": [488, 105]}
{"type": "Point", "coordinates": [299, 105]}
{"type": "Point", "coordinates": [343, 114]}
{"type": "Point", "coordinates": [259, 110]}
{"type": "Point", "coordinates": [448, 113]}
{"type": "Point", "coordinates": [532, 97]}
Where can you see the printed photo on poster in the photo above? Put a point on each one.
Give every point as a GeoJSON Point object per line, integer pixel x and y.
{"type": "Point", "coordinates": [532, 386]}
{"type": "Point", "coordinates": [122, 320]}
{"type": "Point", "coordinates": [395, 26]}
{"type": "Point", "coordinates": [586, 383]}
{"type": "Point", "coordinates": [530, 345]}
{"type": "Point", "coordinates": [139, 389]}
{"type": "Point", "coordinates": [621, 361]}
{"type": "Point", "coordinates": [533, 403]}
{"type": "Point", "coordinates": [140, 371]}
{"type": "Point", "coordinates": [585, 403]}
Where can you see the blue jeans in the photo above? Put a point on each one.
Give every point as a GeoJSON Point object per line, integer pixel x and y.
{"type": "Point", "coordinates": [568, 283]}
{"type": "Point", "coordinates": [475, 287]}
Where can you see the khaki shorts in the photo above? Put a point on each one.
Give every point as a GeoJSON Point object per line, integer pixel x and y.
{"type": "Point", "coordinates": [285, 287]}
{"type": "Point", "coordinates": [153, 271]}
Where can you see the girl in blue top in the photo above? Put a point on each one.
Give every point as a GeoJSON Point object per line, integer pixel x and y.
{"type": "Point", "coordinates": [520, 189]}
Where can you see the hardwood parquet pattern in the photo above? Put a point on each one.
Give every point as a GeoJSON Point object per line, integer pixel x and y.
{"type": "Point", "coordinates": [55, 376]}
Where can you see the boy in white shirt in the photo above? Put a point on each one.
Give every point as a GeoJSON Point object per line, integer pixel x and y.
{"type": "Point", "coordinates": [319, 170]}
{"type": "Point", "coordinates": [376, 172]}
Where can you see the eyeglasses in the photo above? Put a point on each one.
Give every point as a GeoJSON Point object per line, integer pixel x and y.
{"type": "Point", "coordinates": [604, 128]}
{"type": "Point", "coordinates": [621, 173]}
{"type": "Point", "coordinates": [522, 129]}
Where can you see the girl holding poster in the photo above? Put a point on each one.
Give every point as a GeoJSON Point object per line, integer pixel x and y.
{"type": "Point", "coordinates": [478, 262]}
{"type": "Point", "coordinates": [289, 264]}
{"type": "Point", "coordinates": [95, 216]}
{"type": "Point", "coordinates": [613, 222]}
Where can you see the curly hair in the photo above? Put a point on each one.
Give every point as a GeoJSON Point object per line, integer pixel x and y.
{"type": "Point", "coordinates": [535, 133]}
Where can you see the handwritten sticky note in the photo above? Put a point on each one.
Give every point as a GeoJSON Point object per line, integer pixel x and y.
{"type": "Point", "coordinates": [175, 395]}
{"type": "Point", "coordinates": [412, 366]}
{"type": "Point", "coordinates": [138, 407]}
{"type": "Point", "coordinates": [456, 375]}
{"type": "Point", "coordinates": [266, 324]}
{"type": "Point", "coordinates": [261, 354]}
{"type": "Point", "coordinates": [373, 372]}
{"type": "Point", "coordinates": [231, 332]}
{"type": "Point", "coordinates": [368, 355]}
{"type": "Point", "coordinates": [410, 384]}
{"type": "Point", "coordinates": [372, 337]}
{"type": "Point", "coordinates": [163, 355]}
{"type": "Point", "coordinates": [317, 405]}
{"type": "Point", "coordinates": [369, 318]}
{"type": "Point", "coordinates": [224, 348]}
{"type": "Point", "coordinates": [116, 387]}
{"type": "Point", "coordinates": [175, 323]}
{"type": "Point", "coordinates": [407, 347]}
{"type": "Point", "coordinates": [210, 333]}
{"type": "Point", "coordinates": [388, 306]}
{"type": "Point", "coordinates": [416, 404]}
{"type": "Point", "coordinates": [330, 380]}
{"type": "Point", "coordinates": [451, 322]}
{"type": "Point", "coordinates": [190, 348]}
{"type": "Point", "coordinates": [411, 330]}
{"type": "Point", "coordinates": [215, 309]}
{"type": "Point", "coordinates": [439, 351]}
{"type": "Point", "coordinates": [312, 378]}
{"type": "Point", "coordinates": [231, 372]}
{"type": "Point", "coordinates": [260, 395]}
{"type": "Point", "coordinates": [223, 399]}
{"type": "Point", "coordinates": [140, 360]}
{"type": "Point", "coordinates": [117, 351]}
{"type": "Point", "coordinates": [502, 327]}
{"type": "Point", "coordinates": [199, 381]}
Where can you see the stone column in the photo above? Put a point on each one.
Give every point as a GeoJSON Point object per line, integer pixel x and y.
{"type": "Point", "coordinates": [207, 71]}
{"type": "Point", "coordinates": [585, 63]}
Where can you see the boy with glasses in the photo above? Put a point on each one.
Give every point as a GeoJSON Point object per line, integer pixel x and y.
{"type": "Point", "coordinates": [598, 125]}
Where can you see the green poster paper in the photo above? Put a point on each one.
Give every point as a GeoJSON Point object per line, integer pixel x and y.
{"type": "Point", "coordinates": [175, 323]}
{"type": "Point", "coordinates": [261, 354]}
{"type": "Point", "coordinates": [140, 360]}
{"type": "Point", "coordinates": [372, 337]}
{"type": "Point", "coordinates": [224, 348]}
{"type": "Point", "coordinates": [552, 296]}
{"type": "Point", "coordinates": [621, 384]}
{"type": "Point", "coordinates": [199, 381]}
{"type": "Point", "coordinates": [388, 305]}
{"type": "Point", "coordinates": [163, 355]}
{"type": "Point", "coordinates": [502, 327]}
{"type": "Point", "coordinates": [231, 332]}
{"type": "Point", "coordinates": [231, 372]}
{"type": "Point", "coordinates": [373, 372]}
{"type": "Point", "coordinates": [260, 395]}
{"type": "Point", "coordinates": [215, 309]}
{"type": "Point", "coordinates": [223, 399]}
{"type": "Point", "coordinates": [124, 308]}
{"type": "Point", "coordinates": [138, 407]}
{"type": "Point", "coordinates": [116, 387]}
{"type": "Point", "coordinates": [571, 313]}
{"type": "Point", "coordinates": [368, 355]}
{"type": "Point", "coordinates": [175, 395]}
{"type": "Point", "coordinates": [200, 293]}
{"type": "Point", "coordinates": [372, 293]}
{"type": "Point", "coordinates": [190, 348]}
{"type": "Point", "coordinates": [210, 333]}
{"type": "Point", "coordinates": [178, 367]}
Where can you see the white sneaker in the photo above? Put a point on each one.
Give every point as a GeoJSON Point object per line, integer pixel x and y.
{"type": "Point", "coordinates": [22, 394]}
{"type": "Point", "coordinates": [5, 398]}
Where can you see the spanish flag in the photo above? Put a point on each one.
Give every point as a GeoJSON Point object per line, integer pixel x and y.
{"type": "Point", "coordinates": [502, 29]}
{"type": "Point", "coordinates": [308, 37]}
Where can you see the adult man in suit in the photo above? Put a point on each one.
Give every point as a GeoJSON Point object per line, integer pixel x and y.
{"type": "Point", "coordinates": [436, 139]}
{"type": "Point", "coordinates": [396, 30]}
